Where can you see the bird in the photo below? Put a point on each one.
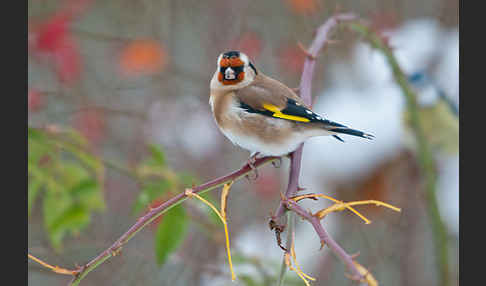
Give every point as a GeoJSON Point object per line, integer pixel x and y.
{"type": "Point", "coordinates": [261, 114]}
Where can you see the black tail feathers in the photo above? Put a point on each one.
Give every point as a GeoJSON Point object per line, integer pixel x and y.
{"type": "Point", "coordinates": [349, 131]}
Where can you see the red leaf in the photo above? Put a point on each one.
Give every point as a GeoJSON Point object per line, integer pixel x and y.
{"type": "Point", "coordinates": [67, 62]}
{"type": "Point", "coordinates": [52, 40]}
{"type": "Point", "coordinates": [142, 57]}
{"type": "Point", "coordinates": [303, 6]}
{"type": "Point", "coordinates": [35, 100]}
{"type": "Point", "coordinates": [154, 204]}
{"type": "Point", "coordinates": [52, 33]}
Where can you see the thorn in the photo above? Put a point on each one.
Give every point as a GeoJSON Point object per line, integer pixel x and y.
{"type": "Point", "coordinates": [79, 269]}
{"type": "Point", "coordinates": [353, 256]}
{"type": "Point", "coordinates": [251, 163]}
{"type": "Point", "coordinates": [277, 165]}
{"type": "Point", "coordinates": [278, 229]}
{"type": "Point", "coordinates": [300, 189]}
{"type": "Point", "coordinates": [306, 52]}
{"type": "Point", "coordinates": [272, 224]}
{"type": "Point", "coordinates": [188, 193]}
{"type": "Point", "coordinates": [116, 250]}
{"type": "Point", "coordinates": [322, 244]}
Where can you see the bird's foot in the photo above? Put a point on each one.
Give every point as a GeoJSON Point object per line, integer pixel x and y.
{"type": "Point", "coordinates": [251, 163]}
{"type": "Point", "coordinates": [277, 163]}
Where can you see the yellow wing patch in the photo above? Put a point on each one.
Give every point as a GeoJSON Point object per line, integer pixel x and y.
{"type": "Point", "coordinates": [278, 113]}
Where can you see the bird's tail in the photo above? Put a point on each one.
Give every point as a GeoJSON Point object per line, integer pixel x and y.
{"type": "Point", "coordinates": [334, 127]}
{"type": "Point", "coordinates": [353, 132]}
{"type": "Point", "coordinates": [345, 130]}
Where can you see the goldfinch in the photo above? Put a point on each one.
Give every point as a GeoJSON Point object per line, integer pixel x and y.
{"type": "Point", "coordinates": [262, 115]}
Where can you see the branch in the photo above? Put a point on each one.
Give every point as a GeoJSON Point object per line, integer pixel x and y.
{"type": "Point", "coordinates": [324, 237]}
{"type": "Point", "coordinates": [321, 38]}
{"type": "Point", "coordinates": [154, 213]}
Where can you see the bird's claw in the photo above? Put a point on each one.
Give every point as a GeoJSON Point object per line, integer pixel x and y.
{"type": "Point", "coordinates": [277, 163]}
{"type": "Point", "coordinates": [251, 163]}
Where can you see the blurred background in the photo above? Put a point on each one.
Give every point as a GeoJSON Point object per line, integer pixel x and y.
{"type": "Point", "coordinates": [119, 121]}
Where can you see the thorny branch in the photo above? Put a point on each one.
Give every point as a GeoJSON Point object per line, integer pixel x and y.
{"type": "Point", "coordinates": [154, 213]}
{"type": "Point", "coordinates": [305, 88]}
{"type": "Point", "coordinates": [320, 40]}
{"type": "Point", "coordinates": [324, 237]}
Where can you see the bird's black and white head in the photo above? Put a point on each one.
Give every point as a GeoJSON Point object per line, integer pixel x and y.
{"type": "Point", "coordinates": [234, 70]}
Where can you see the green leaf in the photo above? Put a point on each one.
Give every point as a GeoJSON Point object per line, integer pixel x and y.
{"type": "Point", "coordinates": [35, 134]}
{"type": "Point", "coordinates": [67, 209]}
{"type": "Point", "coordinates": [54, 206]}
{"type": "Point", "coordinates": [63, 216]}
{"type": "Point", "coordinates": [33, 191]}
{"type": "Point", "coordinates": [71, 180]}
{"type": "Point", "coordinates": [87, 193]}
{"type": "Point", "coordinates": [170, 233]}
{"type": "Point", "coordinates": [38, 147]}
{"type": "Point", "coordinates": [73, 219]}
{"type": "Point", "coordinates": [157, 154]}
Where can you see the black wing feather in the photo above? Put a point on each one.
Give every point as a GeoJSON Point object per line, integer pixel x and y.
{"type": "Point", "coordinates": [296, 109]}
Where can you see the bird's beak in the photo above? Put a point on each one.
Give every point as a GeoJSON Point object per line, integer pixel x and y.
{"type": "Point", "coordinates": [229, 73]}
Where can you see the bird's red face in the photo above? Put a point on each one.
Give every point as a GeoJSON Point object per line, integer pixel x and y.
{"type": "Point", "coordinates": [231, 68]}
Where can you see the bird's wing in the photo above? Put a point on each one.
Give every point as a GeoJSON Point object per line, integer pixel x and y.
{"type": "Point", "coordinates": [269, 97]}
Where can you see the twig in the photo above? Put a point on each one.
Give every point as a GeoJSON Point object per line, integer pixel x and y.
{"type": "Point", "coordinates": [325, 238]}
{"type": "Point", "coordinates": [290, 231]}
{"type": "Point", "coordinates": [55, 269]}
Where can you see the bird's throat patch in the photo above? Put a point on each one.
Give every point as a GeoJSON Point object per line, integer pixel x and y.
{"type": "Point", "coordinates": [231, 75]}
